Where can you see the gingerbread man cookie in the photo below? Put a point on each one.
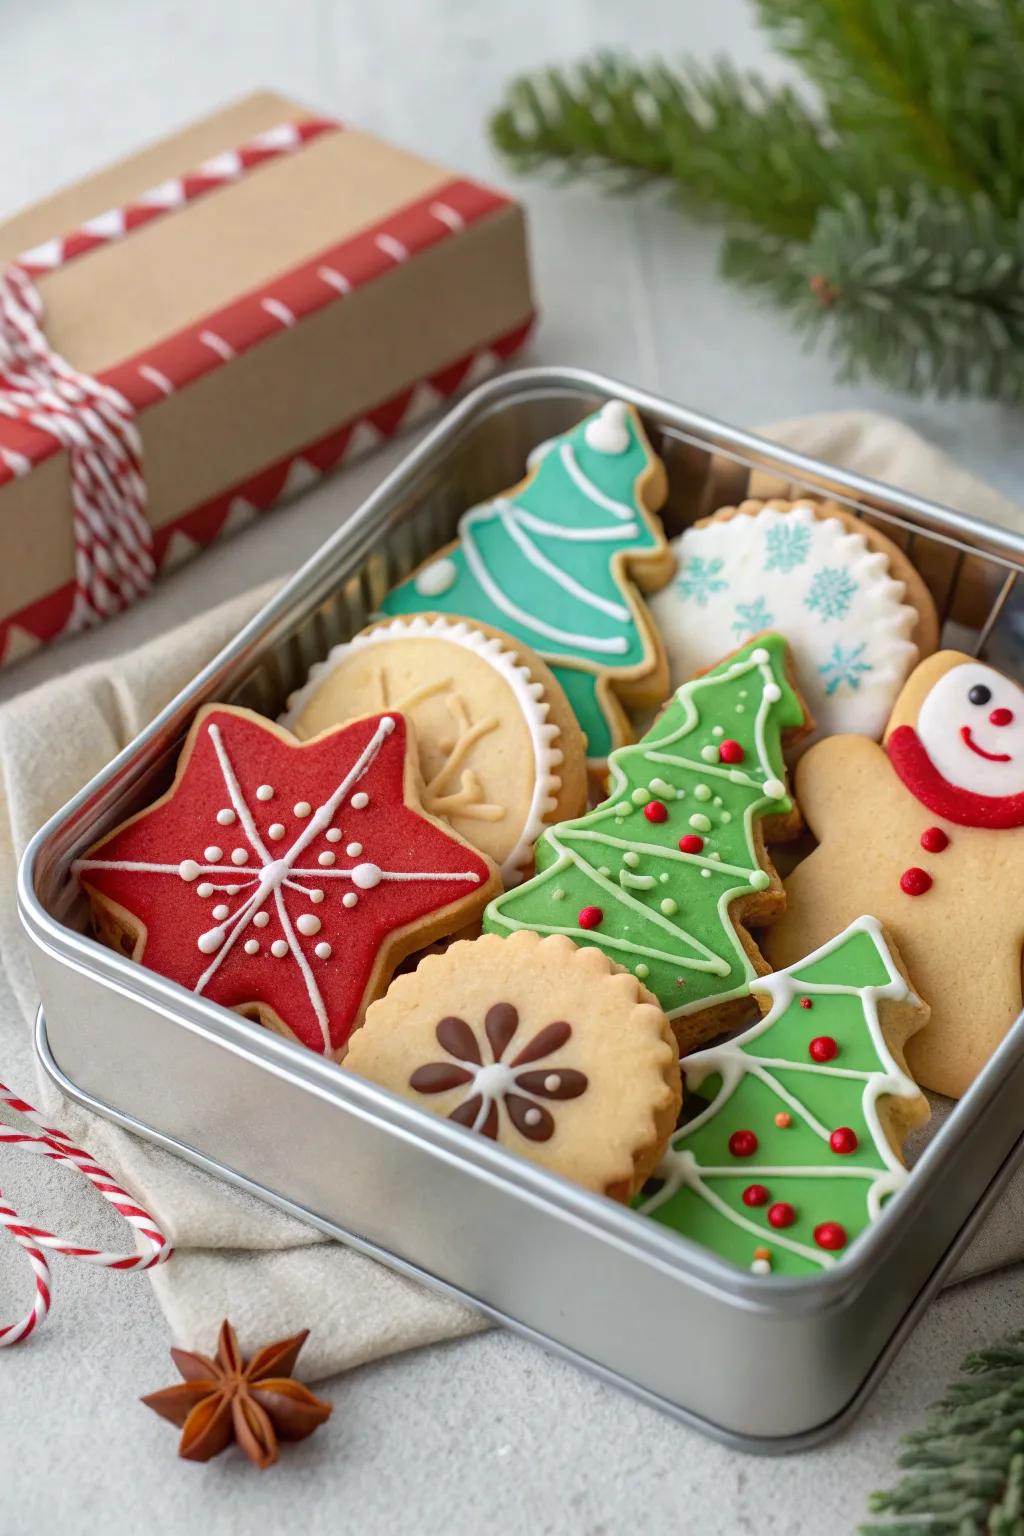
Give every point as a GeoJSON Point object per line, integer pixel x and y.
{"type": "Point", "coordinates": [549, 1050]}
{"type": "Point", "coordinates": [927, 833]}
{"type": "Point", "coordinates": [285, 879]}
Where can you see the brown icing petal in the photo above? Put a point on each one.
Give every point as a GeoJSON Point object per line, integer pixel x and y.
{"type": "Point", "coordinates": [501, 1023]}
{"type": "Point", "coordinates": [560, 1083]}
{"type": "Point", "coordinates": [455, 1036]}
{"type": "Point", "coordinates": [544, 1042]}
{"type": "Point", "coordinates": [530, 1120]}
{"type": "Point", "coordinates": [438, 1076]}
{"type": "Point", "coordinates": [467, 1112]}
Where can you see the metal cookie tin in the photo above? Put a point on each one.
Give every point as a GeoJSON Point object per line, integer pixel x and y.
{"type": "Point", "coordinates": [769, 1363]}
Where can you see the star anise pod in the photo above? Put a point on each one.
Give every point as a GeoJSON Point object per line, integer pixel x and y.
{"type": "Point", "coordinates": [254, 1402]}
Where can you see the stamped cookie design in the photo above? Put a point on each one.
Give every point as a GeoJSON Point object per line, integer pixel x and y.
{"type": "Point", "coordinates": [836, 589]}
{"type": "Point", "coordinates": [928, 833]}
{"type": "Point", "coordinates": [544, 1048]}
{"type": "Point", "coordinates": [666, 874]}
{"type": "Point", "coordinates": [553, 562]}
{"type": "Point", "coordinates": [500, 751]}
{"type": "Point", "coordinates": [799, 1146]}
{"type": "Point", "coordinates": [285, 880]}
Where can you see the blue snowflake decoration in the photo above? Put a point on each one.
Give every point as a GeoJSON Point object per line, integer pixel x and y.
{"type": "Point", "coordinates": [787, 544]}
{"type": "Point", "coordinates": [844, 668]}
{"type": "Point", "coordinates": [700, 579]}
{"type": "Point", "coordinates": [831, 592]}
{"type": "Point", "coordinates": [751, 618]}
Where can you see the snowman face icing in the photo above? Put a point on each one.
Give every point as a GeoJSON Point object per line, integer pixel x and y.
{"type": "Point", "coordinates": [971, 725]}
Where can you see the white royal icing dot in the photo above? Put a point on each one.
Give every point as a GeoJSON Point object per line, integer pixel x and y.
{"type": "Point", "coordinates": [302, 808]}
{"type": "Point", "coordinates": [354, 850]}
{"type": "Point", "coordinates": [188, 869]}
{"type": "Point", "coordinates": [276, 831]}
{"type": "Point", "coordinates": [316, 896]}
{"type": "Point", "coordinates": [265, 792]}
{"type": "Point", "coordinates": [252, 946]}
{"type": "Point", "coordinates": [322, 951]}
{"type": "Point", "coordinates": [239, 855]}
{"type": "Point", "coordinates": [308, 924]}
{"type": "Point", "coordinates": [221, 911]}
{"type": "Point", "coordinates": [760, 879]}
{"type": "Point", "coordinates": [232, 890]}
{"type": "Point", "coordinates": [760, 656]}
{"type": "Point", "coordinates": [772, 692]}
{"type": "Point", "coordinates": [279, 949]}
{"type": "Point", "coordinates": [366, 876]}
{"type": "Point", "coordinates": [210, 941]}
{"type": "Point", "coordinates": [552, 1082]}
{"type": "Point", "coordinates": [226, 818]}
{"type": "Point", "coordinates": [532, 1117]}
{"type": "Point", "coordinates": [326, 858]}
{"type": "Point", "coordinates": [775, 789]}
{"type": "Point", "coordinates": [213, 854]}
{"type": "Point", "coordinates": [333, 834]}
{"type": "Point", "coordinates": [360, 800]}
{"type": "Point", "coordinates": [761, 1267]}
{"type": "Point", "coordinates": [436, 577]}
{"type": "Point", "coordinates": [204, 888]}
{"type": "Point", "coordinates": [349, 899]}
{"type": "Point", "coordinates": [261, 919]}
{"type": "Point", "coordinates": [606, 432]}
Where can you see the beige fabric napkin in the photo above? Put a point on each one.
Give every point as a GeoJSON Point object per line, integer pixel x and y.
{"type": "Point", "coordinates": [236, 1256]}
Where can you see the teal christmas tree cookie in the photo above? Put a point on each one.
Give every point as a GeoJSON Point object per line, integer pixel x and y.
{"type": "Point", "coordinates": [553, 562]}
{"type": "Point", "coordinates": [663, 874]}
{"type": "Point", "coordinates": [799, 1146]}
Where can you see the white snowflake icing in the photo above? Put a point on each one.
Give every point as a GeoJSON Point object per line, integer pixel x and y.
{"type": "Point", "coordinates": [281, 870]}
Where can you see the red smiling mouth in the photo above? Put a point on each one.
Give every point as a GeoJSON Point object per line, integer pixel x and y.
{"type": "Point", "coordinates": [990, 757]}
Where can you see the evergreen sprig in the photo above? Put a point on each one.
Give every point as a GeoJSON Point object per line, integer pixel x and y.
{"type": "Point", "coordinates": [886, 211]}
{"type": "Point", "coordinates": [965, 1468]}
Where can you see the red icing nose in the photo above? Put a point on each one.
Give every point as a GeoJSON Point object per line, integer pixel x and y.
{"type": "Point", "coordinates": [1001, 717]}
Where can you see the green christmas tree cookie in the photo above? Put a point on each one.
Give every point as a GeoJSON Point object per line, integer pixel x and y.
{"type": "Point", "coordinates": [662, 875]}
{"type": "Point", "coordinates": [553, 562]}
{"type": "Point", "coordinates": [798, 1148]}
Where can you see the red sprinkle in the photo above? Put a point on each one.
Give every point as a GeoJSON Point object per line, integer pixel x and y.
{"type": "Point", "coordinates": [742, 1143]}
{"type": "Point", "coordinates": [730, 751]}
{"type": "Point", "coordinates": [755, 1194]}
{"type": "Point", "coordinates": [914, 881]}
{"type": "Point", "coordinates": [781, 1215]}
{"type": "Point", "coordinates": [806, 1002]}
{"type": "Point", "coordinates": [823, 1048]}
{"type": "Point", "coordinates": [934, 840]}
{"type": "Point", "coordinates": [783, 1120]}
{"type": "Point", "coordinates": [691, 843]}
{"type": "Point", "coordinates": [843, 1140]}
{"type": "Point", "coordinates": [829, 1235]}
{"type": "Point", "coordinates": [655, 811]}
{"type": "Point", "coordinates": [591, 917]}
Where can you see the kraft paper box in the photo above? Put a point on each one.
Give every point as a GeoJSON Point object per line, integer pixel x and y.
{"type": "Point", "coordinates": [207, 326]}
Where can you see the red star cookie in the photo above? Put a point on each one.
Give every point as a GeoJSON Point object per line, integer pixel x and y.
{"type": "Point", "coordinates": [286, 879]}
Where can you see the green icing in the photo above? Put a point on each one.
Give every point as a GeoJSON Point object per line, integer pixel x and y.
{"type": "Point", "coordinates": [522, 566]}
{"type": "Point", "coordinates": [694, 953]}
{"type": "Point", "coordinates": [744, 1083]}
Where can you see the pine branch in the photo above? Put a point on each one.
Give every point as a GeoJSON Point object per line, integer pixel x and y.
{"type": "Point", "coordinates": [965, 1469]}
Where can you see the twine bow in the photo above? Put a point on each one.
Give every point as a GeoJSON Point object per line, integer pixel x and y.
{"type": "Point", "coordinates": [58, 1146]}
{"type": "Point", "coordinates": [114, 561]}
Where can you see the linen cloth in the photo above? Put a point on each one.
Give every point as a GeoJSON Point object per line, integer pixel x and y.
{"type": "Point", "coordinates": [236, 1256]}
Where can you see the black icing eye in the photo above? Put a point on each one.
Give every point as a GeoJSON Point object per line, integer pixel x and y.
{"type": "Point", "coordinates": [979, 694]}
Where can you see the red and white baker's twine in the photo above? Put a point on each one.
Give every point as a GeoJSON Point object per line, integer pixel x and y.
{"type": "Point", "coordinates": [57, 1145]}
{"type": "Point", "coordinates": [114, 561]}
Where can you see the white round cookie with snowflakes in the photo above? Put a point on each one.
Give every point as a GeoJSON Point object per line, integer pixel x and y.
{"type": "Point", "coordinates": [806, 577]}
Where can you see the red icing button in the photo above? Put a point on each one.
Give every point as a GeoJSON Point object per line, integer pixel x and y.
{"type": "Point", "coordinates": [1001, 717]}
{"type": "Point", "coordinates": [755, 1194]}
{"type": "Point", "coordinates": [843, 1140]}
{"type": "Point", "coordinates": [655, 811]}
{"type": "Point", "coordinates": [806, 1002]}
{"type": "Point", "coordinates": [823, 1048]}
{"type": "Point", "coordinates": [934, 840]}
{"type": "Point", "coordinates": [590, 917]}
{"type": "Point", "coordinates": [781, 1215]}
{"type": "Point", "coordinates": [691, 843]}
{"type": "Point", "coordinates": [730, 752]}
{"type": "Point", "coordinates": [742, 1143]}
{"type": "Point", "coordinates": [829, 1235]}
{"type": "Point", "coordinates": [783, 1121]}
{"type": "Point", "coordinates": [914, 881]}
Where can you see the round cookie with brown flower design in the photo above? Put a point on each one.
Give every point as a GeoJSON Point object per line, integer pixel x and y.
{"type": "Point", "coordinates": [549, 1049]}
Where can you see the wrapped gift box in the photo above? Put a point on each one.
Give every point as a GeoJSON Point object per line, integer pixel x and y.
{"type": "Point", "coordinates": [204, 328]}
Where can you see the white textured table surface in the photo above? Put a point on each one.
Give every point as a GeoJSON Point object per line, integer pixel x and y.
{"type": "Point", "coordinates": [488, 1434]}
